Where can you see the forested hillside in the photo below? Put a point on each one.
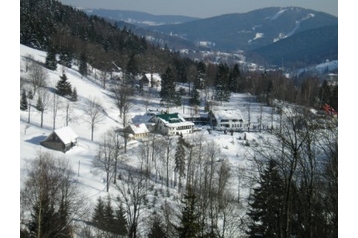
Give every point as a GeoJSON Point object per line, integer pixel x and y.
{"type": "Point", "coordinates": [77, 38]}
{"type": "Point", "coordinates": [251, 30]}
{"type": "Point", "coordinates": [63, 30]}
{"type": "Point", "coordinates": [302, 49]}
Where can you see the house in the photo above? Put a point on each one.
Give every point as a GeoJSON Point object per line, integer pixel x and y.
{"type": "Point", "coordinates": [226, 119]}
{"type": "Point", "coordinates": [172, 124]}
{"type": "Point", "coordinates": [197, 119]}
{"type": "Point", "coordinates": [152, 80]}
{"type": "Point", "coordinates": [62, 139]}
{"type": "Point", "coordinates": [137, 131]}
{"type": "Point", "coordinates": [138, 119]}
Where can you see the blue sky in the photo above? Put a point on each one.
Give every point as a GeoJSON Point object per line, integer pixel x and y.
{"type": "Point", "coordinates": [203, 8]}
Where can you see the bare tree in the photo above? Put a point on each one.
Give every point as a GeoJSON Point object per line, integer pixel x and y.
{"type": "Point", "coordinates": [133, 196]}
{"type": "Point", "coordinates": [44, 101]}
{"type": "Point", "coordinates": [50, 198]}
{"type": "Point", "coordinates": [28, 60]}
{"type": "Point", "coordinates": [105, 157]}
{"type": "Point", "coordinates": [37, 76]}
{"type": "Point", "coordinates": [94, 113]}
{"type": "Point", "coordinates": [30, 97]}
{"type": "Point", "coordinates": [56, 105]}
{"type": "Point", "coordinates": [109, 155]}
{"type": "Point", "coordinates": [166, 156]}
{"type": "Point", "coordinates": [122, 99]}
{"type": "Point", "coordinates": [68, 110]}
{"type": "Point", "coordinates": [103, 75]}
{"type": "Point", "coordinates": [169, 217]}
{"type": "Point", "coordinates": [292, 149]}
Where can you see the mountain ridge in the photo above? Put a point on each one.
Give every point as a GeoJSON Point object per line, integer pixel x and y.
{"type": "Point", "coordinates": [253, 32]}
{"type": "Point", "coordinates": [236, 31]}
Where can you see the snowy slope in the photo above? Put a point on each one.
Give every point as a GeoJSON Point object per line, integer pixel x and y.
{"type": "Point", "coordinates": [82, 155]}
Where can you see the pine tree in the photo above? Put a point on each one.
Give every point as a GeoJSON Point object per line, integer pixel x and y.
{"type": "Point", "coordinates": [132, 66]}
{"type": "Point", "coordinates": [40, 107]}
{"type": "Point", "coordinates": [222, 90]}
{"type": "Point", "coordinates": [42, 219]}
{"type": "Point", "coordinates": [74, 95]}
{"type": "Point", "coordinates": [30, 95]}
{"type": "Point", "coordinates": [109, 217]}
{"type": "Point", "coordinates": [64, 87]}
{"type": "Point", "coordinates": [23, 101]}
{"type": "Point", "coordinates": [201, 67]}
{"type": "Point", "coordinates": [39, 104]}
{"type": "Point", "coordinates": [51, 61]}
{"type": "Point", "coordinates": [195, 97]}
{"type": "Point", "coordinates": [98, 217]}
{"type": "Point", "coordinates": [62, 218]}
{"type": "Point", "coordinates": [156, 229]}
{"type": "Point", "coordinates": [120, 222]}
{"type": "Point", "coordinates": [266, 204]}
{"type": "Point", "coordinates": [324, 93]}
{"type": "Point", "coordinates": [66, 57]}
{"type": "Point", "coordinates": [168, 86]}
{"type": "Point", "coordinates": [189, 221]}
{"type": "Point", "coordinates": [180, 159]}
{"type": "Point", "coordinates": [234, 79]}
{"type": "Point", "coordinates": [83, 64]}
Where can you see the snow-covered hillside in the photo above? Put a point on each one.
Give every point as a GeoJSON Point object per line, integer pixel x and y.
{"type": "Point", "coordinates": [92, 180]}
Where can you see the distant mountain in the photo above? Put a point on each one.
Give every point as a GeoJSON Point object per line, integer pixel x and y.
{"type": "Point", "coordinates": [304, 48]}
{"type": "Point", "coordinates": [296, 36]}
{"type": "Point", "coordinates": [248, 31]}
{"type": "Point", "coordinates": [139, 18]}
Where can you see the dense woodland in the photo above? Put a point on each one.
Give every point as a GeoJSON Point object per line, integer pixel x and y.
{"type": "Point", "coordinates": [297, 177]}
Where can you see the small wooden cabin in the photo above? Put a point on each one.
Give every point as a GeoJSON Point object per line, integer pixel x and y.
{"type": "Point", "coordinates": [137, 131]}
{"type": "Point", "coordinates": [62, 139]}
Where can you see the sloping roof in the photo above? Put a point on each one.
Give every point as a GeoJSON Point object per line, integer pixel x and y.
{"type": "Point", "coordinates": [171, 118]}
{"type": "Point", "coordinates": [139, 129]}
{"type": "Point", "coordinates": [156, 77]}
{"type": "Point", "coordinates": [138, 119]}
{"type": "Point", "coordinates": [174, 120]}
{"type": "Point", "coordinates": [228, 114]}
{"type": "Point", "coordinates": [66, 135]}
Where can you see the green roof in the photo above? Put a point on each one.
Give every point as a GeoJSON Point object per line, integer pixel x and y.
{"type": "Point", "coordinates": [171, 118]}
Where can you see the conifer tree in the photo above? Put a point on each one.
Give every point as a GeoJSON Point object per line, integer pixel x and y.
{"type": "Point", "coordinates": [39, 104]}
{"type": "Point", "coordinates": [83, 64]}
{"type": "Point", "coordinates": [189, 221]}
{"type": "Point", "coordinates": [234, 78]}
{"type": "Point", "coordinates": [156, 229]}
{"type": "Point", "coordinates": [74, 95]}
{"type": "Point", "coordinates": [42, 217]}
{"type": "Point", "coordinates": [180, 159]}
{"type": "Point", "coordinates": [201, 67]}
{"type": "Point", "coordinates": [98, 217]}
{"type": "Point", "coordinates": [132, 67]}
{"type": "Point", "coordinates": [66, 57]}
{"type": "Point", "coordinates": [23, 101]}
{"type": "Point", "coordinates": [51, 61]}
{"type": "Point", "coordinates": [195, 97]}
{"type": "Point", "coordinates": [41, 108]}
{"type": "Point", "coordinates": [167, 92]}
{"type": "Point", "coordinates": [266, 204]}
{"type": "Point", "coordinates": [109, 217]}
{"type": "Point", "coordinates": [120, 222]}
{"type": "Point", "coordinates": [30, 95]}
{"type": "Point", "coordinates": [222, 90]}
{"type": "Point", "coordinates": [64, 87]}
